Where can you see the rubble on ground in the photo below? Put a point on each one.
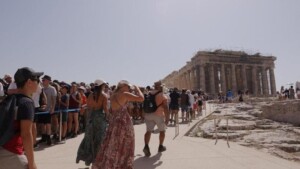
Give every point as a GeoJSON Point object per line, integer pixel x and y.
{"type": "Point", "coordinates": [265, 124]}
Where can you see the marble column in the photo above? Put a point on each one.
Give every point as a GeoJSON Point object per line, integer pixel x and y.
{"type": "Point", "coordinates": [193, 78]}
{"type": "Point", "coordinates": [265, 82]}
{"type": "Point", "coordinates": [188, 77]}
{"type": "Point", "coordinates": [197, 77]}
{"type": "Point", "coordinates": [181, 80]}
{"type": "Point", "coordinates": [272, 80]}
{"type": "Point", "coordinates": [212, 79]}
{"type": "Point", "coordinates": [202, 77]}
{"type": "Point", "coordinates": [244, 75]}
{"type": "Point", "coordinates": [233, 74]}
{"type": "Point", "coordinates": [254, 80]}
{"type": "Point", "coordinates": [223, 78]}
{"type": "Point", "coordinates": [186, 80]}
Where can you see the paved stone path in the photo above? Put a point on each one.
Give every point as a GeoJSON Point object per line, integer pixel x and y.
{"type": "Point", "coordinates": [182, 153]}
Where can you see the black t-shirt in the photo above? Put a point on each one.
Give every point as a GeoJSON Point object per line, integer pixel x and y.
{"type": "Point", "coordinates": [184, 99]}
{"type": "Point", "coordinates": [25, 108]}
{"type": "Point", "coordinates": [174, 98]}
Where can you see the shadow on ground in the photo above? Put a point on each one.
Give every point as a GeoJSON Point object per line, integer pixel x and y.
{"type": "Point", "coordinates": [148, 162]}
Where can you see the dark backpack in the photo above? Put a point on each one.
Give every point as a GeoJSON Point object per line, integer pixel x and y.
{"type": "Point", "coordinates": [149, 104]}
{"type": "Point", "coordinates": [8, 110]}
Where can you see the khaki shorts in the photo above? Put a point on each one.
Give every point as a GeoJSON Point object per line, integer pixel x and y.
{"type": "Point", "coordinates": [9, 160]}
{"type": "Point", "coordinates": [152, 119]}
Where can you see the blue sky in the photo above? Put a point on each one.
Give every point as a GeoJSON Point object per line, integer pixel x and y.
{"type": "Point", "coordinates": [143, 40]}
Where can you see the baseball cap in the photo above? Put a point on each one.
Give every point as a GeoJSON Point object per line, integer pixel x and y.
{"type": "Point", "coordinates": [47, 77]}
{"type": "Point", "coordinates": [26, 73]}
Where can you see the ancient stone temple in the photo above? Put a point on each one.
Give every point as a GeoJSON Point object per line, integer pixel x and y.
{"type": "Point", "coordinates": [221, 70]}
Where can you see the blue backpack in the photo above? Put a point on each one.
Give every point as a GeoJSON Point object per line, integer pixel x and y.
{"type": "Point", "coordinates": [8, 111]}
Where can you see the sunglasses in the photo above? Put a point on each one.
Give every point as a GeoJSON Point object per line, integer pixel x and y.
{"type": "Point", "coordinates": [35, 79]}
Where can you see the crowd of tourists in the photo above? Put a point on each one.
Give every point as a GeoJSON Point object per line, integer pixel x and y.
{"type": "Point", "coordinates": [49, 112]}
{"type": "Point", "coordinates": [288, 93]}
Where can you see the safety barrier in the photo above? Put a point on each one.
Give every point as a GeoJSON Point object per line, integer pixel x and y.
{"type": "Point", "coordinates": [60, 116]}
{"type": "Point", "coordinates": [216, 126]}
{"type": "Point", "coordinates": [207, 109]}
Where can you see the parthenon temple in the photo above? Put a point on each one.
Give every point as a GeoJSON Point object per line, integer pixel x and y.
{"type": "Point", "coordinates": [221, 70]}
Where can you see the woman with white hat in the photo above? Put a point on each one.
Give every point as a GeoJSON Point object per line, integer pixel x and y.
{"type": "Point", "coordinates": [117, 149]}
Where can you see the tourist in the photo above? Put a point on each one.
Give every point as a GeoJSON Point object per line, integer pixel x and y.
{"type": "Point", "coordinates": [200, 101]}
{"type": "Point", "coordinates": [45, 119]}
{"type": "Point", "coordinates": [160, 118]}
{"type": "Point", "coordinates": [117, 149]}
{"type": "Point", "coordinates": [74, 106]}
{"type": "Point", "coordinates": [191, 103]}
{"type": "Point", "coordinates": [298, 93]}
{"type": "Point", "coordinates": [174, 105]}
{"type": "Point", "coordinates": [40, 102]}
{"type": "Point", "coordinates": [64, 105]}
{"type": "Point", "coordinates": [229, 96]}
{"type": "Point", "coordinates": [54, 116]}
{"type": "Point", "coordinates": [18, 152]}
{"type": "Point", "coordinates": [292, 93]}
{"type": "Point", "coordinates": [82, 111]}
{"type": "Point", "coordinates": [2, 92]}
{"type": "Point", "coordinates": [96, 124]}
{"type": "Point", "coordinates": [184, 104]}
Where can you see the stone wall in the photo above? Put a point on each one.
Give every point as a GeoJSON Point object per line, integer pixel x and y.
{"type": "Point", "coordinates": [283, 111]}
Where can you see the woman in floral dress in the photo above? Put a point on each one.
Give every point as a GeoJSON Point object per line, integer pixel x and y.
{"type": "Point", "coordinates": [96, 124]}
{"type": "Point", "coordinates": [117, 149]}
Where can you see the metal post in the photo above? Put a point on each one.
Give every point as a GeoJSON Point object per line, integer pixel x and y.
{"type": "Point", "coordinates": [60, 125]}
{"type": "Point", "coordinates": [176, 126]}
{"type": "Point", "coordinates": [227, 132]}
{"type": "Point", "coordinates": [216, 131]}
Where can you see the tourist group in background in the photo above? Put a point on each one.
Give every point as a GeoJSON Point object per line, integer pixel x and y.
{"type": "Point", "coordinates": [288, 93]}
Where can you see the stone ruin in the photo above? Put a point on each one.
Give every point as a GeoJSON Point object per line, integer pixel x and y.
{"type": "Point", "coordinates": [268, 125]}
{"type": "Point", "coordinates": [284, 111]}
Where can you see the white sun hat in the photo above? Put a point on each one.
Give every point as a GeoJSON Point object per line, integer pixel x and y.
{"type": "Point", "coordinates": [126, 82]}
{"type": "Point", "coordinates": [99, 82]}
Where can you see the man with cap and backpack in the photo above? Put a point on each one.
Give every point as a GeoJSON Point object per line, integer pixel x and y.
{"type": "Point", "coordinates": [156, 113]}
{"type": "Point", "coordinates": [16, 120]}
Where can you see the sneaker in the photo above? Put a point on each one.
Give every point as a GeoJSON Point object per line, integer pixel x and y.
{"type": "Point", "coordinates": [69, 135]}
{"type": "Point", "coordinates": [55, 137]}
{"type": "Point", "coordinates": [35, 146]}
{"type": "Point", "coordinates": [74, 135]}
{"type": "Point", "coordinates": [49, 141]}
{"type": "Point", "coordinates": [42, 140]}
{"type": "Point", "coordinates": [146, 151]}
{"type": "Point", "coordinates": [162, 148]}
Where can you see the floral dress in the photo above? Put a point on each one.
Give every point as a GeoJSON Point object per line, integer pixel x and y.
{"type": "Point", "coordinates": [117, 149]}
{"type": "Point", "coordinates": [94, 135]}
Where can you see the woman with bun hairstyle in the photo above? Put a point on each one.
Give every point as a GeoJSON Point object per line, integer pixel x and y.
{"type": "Point", "coordinates": [96, 124]}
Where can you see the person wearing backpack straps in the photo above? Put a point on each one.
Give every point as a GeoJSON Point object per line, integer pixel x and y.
{"type": "Point", "coordinates": [160, 118]}
{"type": "Point", "coordinates": [17, 152]}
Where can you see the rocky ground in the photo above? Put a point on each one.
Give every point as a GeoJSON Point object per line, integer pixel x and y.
{"type": "Point", "coordinates": [249, 127]}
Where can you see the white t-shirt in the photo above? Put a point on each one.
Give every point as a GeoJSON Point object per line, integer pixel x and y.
{"type": "Point", "coordinates": [1, 90]}
{"type": "Point", "coordinates": [191, 100]}
{"type": "Point", "coordinates": [36, 96]}
{"type": "Point", "coordinates": [12, 85]}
